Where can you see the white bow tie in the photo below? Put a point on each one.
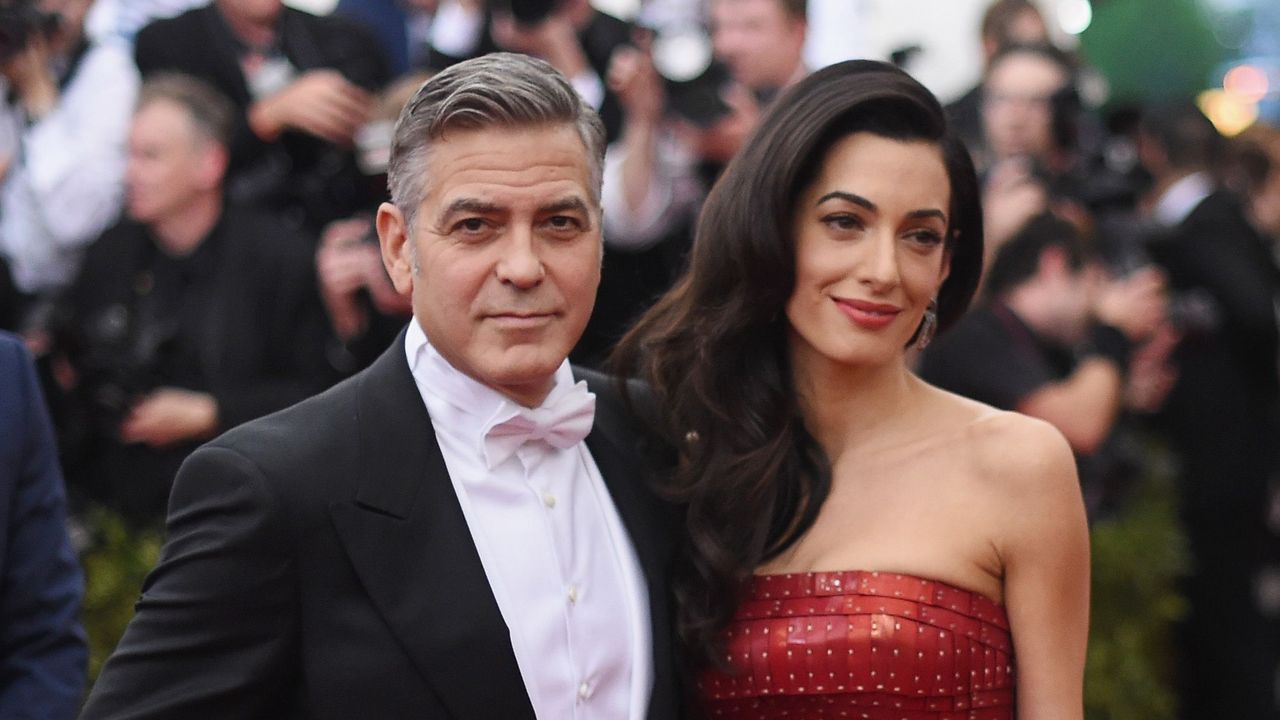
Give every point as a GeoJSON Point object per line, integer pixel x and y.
{"type": "Point", "coordinates": [562, 423]}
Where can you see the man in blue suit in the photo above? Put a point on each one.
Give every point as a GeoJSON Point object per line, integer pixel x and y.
{"type": "Point", "coordinates": [42, 647]}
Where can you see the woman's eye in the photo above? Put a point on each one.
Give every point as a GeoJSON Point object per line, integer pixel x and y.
{"type": "Point", "coordinates": [842, 221]}
{"type": "Point", "coordinates": [926, 237]}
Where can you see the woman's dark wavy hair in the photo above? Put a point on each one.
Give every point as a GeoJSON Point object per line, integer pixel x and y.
{"type": "Point", "coordinates": [713, 350]}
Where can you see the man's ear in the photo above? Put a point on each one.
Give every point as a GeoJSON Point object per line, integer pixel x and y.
{"type": "Point", "coordinates": [397, 247]}
{"type": "Point", "coordinates": [212, 169]}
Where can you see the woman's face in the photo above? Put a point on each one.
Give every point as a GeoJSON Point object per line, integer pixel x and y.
{"type": "Point", "coordinates": [870, 249]}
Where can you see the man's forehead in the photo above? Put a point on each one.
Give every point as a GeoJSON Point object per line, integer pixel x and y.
{"type": "Point", "coordinates": [1023, 70]}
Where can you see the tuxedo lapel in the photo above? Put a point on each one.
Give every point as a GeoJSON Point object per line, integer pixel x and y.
{"type": "Point", "coordinates": [408, 540]}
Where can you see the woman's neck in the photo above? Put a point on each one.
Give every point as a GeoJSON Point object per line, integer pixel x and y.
{"type": "Point", "coordinates": [849, 407]}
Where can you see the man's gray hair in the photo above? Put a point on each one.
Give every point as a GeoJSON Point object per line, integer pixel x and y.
{"type": "Point", "coordinates": [212, 114]}
{"type": "Point", "coordinates": [499, 90]}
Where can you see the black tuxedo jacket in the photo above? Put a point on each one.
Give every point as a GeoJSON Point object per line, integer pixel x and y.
{"type": "Point", "coordinates": [1221, 411]}
{"type": "Point", "coordinates": [319, 565]}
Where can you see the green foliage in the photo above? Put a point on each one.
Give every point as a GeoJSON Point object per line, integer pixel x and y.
{"type": "Point", "coordinates": [116, 559]}
{"type": "Point", "coordinates": [1152, 50]}
{"type": "Point", "coordinates": [1139, 555]}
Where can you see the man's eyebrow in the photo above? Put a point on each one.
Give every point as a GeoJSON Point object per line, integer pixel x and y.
{"type": "Point", "coordinates": [468, 205]}
{"type": "Point", "coordinates": [572, 202]}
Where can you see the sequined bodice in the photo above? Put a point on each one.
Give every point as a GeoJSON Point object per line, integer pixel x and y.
{"type": "Point", "coordinates": [876, 646]}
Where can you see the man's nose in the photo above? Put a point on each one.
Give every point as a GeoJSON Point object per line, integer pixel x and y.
{"type": "Point", "coordinates": [521, 264]}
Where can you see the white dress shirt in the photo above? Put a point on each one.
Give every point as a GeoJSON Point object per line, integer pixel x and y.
{"type": "Point", "coordinates": [66, 180]}
{"type": "Point", "coordinates": [1181, 198]}
{"type": "Point", "coordinates": [561, 565]}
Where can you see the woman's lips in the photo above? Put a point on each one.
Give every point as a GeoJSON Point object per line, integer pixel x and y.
{"type": "Point", "coordinates": [869, 315]}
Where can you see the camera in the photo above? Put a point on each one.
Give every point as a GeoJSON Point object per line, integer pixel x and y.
{"type": "Point", "coordinates": [693, 78]}
{"type": "Point", "coordinates": [20, 20]}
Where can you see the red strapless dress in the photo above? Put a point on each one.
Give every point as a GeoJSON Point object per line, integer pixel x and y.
{"type": "Point", "coordinates": [863, 645]}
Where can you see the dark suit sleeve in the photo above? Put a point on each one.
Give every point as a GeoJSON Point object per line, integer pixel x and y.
{"type": "Point", "coordinates": [42, 648]}
{"type": "Point", "coordinates": [215, 632]}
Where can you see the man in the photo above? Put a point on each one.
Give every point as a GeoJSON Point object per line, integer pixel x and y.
{"type": "Point", "coordinates": [1055, 340]}
{"type": "Point", "coordinates": [64, 113]}
{"type": "Point", "coordinates": [658, 172]}
{"type": "Point", "coordinates": [1041, 150]}
{"type": "Point", "coordinates": [432, 538]}
{"type": "Point", "coordinates": [576, 39]}
{"type": "Point", "coordinates": [301, 86]}
{"type": "Point", "coordinates": [189, 317]}
{"type": "Point", "coordinates": [1005, 22]}
{"type": "Point", "coordinates": [1221, 416]}
{"type": "Point", "coordinates": [42, 648]}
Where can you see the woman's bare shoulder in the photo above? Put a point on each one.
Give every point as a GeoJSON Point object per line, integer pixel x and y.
{"type": "Point", "coordinates": [1009, 448]}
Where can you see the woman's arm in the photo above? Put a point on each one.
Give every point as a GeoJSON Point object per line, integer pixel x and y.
{"type": "Point", "coordinates": [1044, 544]}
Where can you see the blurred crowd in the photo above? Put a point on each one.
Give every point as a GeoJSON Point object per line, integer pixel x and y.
{"type": "Point", "coordinates": [187, 240]}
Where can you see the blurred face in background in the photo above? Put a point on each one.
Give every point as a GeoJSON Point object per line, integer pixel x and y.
{"type": "Point", "coordinates": [759, 40]}
{"type": "Point", "coordinates": [171, 164]}
{"type": "Point", "coordinates": [1017, 110]}
{"type": "Point", "coordinates": [73, 13]}
{"type": "Point", "coordinates": [1026, 28]}
{"type": "Point", "coordinates": [1071, 302]}
{"type": "Point", "coordinates": [261, 13]}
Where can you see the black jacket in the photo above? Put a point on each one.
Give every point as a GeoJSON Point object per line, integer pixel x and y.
{"type": "Point", "coordinates": [319, 566]}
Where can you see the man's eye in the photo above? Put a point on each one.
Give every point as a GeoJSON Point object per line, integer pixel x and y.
{"type": "Point", "coordinates": [563, 222]}
{"type": "Point", "coordinates": [470, 225]}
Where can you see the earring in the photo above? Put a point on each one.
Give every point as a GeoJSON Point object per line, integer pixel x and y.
{"type": "Point", "coordinates": [928, 326]}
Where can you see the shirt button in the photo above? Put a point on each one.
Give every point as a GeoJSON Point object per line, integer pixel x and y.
{"type": "Point", "coordinates": [549, 500]}
{"type": "Point", "coordinates": [573, 593]}
{"type": "Point", "coordinates": [584, 691]}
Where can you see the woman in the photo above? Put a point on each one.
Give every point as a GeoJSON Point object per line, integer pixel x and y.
{"type": "Point", "coordinates": [861, 544]}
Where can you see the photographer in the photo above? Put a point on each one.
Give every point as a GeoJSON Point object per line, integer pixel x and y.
{"type": "Point", "coordinates": [189, 317]}
{"type": "Point", "coordinates": [684, 118]}
{"type": "Point", "coordinates": [573, 37]}
{"type": "Point", "coordinates": [301, 84]}
{"type": "Point", "coordinates": [64, 111]}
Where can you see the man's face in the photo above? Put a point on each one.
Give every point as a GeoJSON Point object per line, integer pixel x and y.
{"type": "Point", "coordinates": [1075, 290]}
{"type": "Point", "coordinates": [503, 260]}
{"type": "Point", "coordinates": [1017, 110]}
{"type": "Point", "coordinates": [762, 45]}
{"type": "Point", "coordinates": [168, 163]}
{"type": "Point", "coordinates": [251, 12]}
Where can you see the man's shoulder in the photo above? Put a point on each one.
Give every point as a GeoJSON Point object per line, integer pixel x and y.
{"type": "Point", "coordinates": [308, 438]}
{"type": "Point", "coordinates": [978, 331]}
{"type": "Point", "coordinates": [182, 24]}
{"type": "Point", "coordinates": [630, 403]}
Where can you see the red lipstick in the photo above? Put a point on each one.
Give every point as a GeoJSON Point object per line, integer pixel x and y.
{"type": "Point", "coordinates": [869, 315]}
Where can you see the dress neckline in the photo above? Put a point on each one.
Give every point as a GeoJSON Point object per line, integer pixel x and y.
{"type": "Point", "coordinates": [774, 586]}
